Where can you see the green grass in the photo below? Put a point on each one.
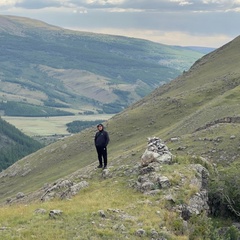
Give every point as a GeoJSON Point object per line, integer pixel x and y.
{"type": "Point", "coordinates": [36, 126]}
{"type": "Point", "coordinates": [126, 211]}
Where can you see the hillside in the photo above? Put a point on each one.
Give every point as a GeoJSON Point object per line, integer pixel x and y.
{"type": "Point", "coordinates": [14, 145]}
{"type": "Point", "coordinates": [49, 71]}
{"type": "Point", "coordinates": [196, 115]}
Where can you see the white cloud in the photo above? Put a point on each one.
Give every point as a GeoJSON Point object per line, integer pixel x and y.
{"type": "Point", "coordinates": [182, 2]}
{"type": "Point", "coordinates": [168, 38]}
{"type": "Point", "coordinates": [217, 1]}
{"type": "Point", "coordinates": [177, 22]}
{"type": "Point", "coordinates": [122, 10]}
{"type": "Point", "coordinates": [153, 5]}
{"type": "Point", "coordinates": [8, 3]}
{"type": "Point", "coordinates": [80, 11]}
{"type": "Point", "coordinates": [104, 2]}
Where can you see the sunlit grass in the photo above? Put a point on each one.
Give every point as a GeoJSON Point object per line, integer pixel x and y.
{"type": "Point", "coordinates": [124, 207]}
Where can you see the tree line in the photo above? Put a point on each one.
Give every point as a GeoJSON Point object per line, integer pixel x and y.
{"type": "Point", "coordinates": [14, 145]}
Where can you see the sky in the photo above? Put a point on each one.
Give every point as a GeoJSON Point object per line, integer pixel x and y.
{"type": "Point", "coordinates": [206, 23]}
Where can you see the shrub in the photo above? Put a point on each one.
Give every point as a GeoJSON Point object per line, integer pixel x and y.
{"type": "Point", "coordinates": [224, 192]}
{"type": "Point", "coordinates": [232, 233]}
{"type": "Point", "coordinates": [201, 227]}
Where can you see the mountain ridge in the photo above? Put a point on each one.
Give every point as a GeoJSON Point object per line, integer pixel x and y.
{"type": "Point", "coordinates": [47, 66]}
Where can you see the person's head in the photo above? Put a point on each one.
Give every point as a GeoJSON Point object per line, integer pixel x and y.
{"type": "Point", "coordinates": [100, 127]}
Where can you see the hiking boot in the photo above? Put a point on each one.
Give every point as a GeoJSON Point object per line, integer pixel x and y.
{"type": "Point", "coordinates": [99, 166]}
{"type": "Point", "coordinates": [105, 167]}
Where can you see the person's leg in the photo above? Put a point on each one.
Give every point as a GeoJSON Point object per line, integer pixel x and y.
{"type": "Point", "coordinates": [99, 153]}
{"type": "Point", "coordinates": [104, 154]}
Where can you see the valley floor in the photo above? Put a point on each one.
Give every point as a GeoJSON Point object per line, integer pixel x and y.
{"type": "Point", "coordinates": [46, 126]}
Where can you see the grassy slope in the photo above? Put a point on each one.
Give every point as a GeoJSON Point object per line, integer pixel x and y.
{"type": "Point", "coordinates": [126, 211]}
{"type": "Point", "coordinates": [203, 94]}
{"type": "Point", "coordinates": [176, 109]}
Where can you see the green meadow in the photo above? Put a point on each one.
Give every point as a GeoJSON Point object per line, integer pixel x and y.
{"type": "Point", "coordinates": [46, 126]}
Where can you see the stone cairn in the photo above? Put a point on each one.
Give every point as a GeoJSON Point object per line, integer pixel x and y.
{"type": "Point", "coordinates": [150, 179]}
{"type": "Point", "coordinates": [156, 151]}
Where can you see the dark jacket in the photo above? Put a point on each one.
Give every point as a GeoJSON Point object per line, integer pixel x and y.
{"type": "Point", "coordinates": [101, 138]}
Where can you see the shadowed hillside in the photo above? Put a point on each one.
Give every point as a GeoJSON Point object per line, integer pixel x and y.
{"type": "Point", "coordinates": [49, 71]}
{"type": "Point", "coordinates": [196, 115]}
{"type": "Point", "coordinates": [14, 145]}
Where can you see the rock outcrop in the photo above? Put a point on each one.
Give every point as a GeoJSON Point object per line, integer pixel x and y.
{"type": "Point", "coordinates": [152, 181]}
{"type": "Point", "coordinates": [198, 203]}
{"type": "Point", "coordinates": [63, 189]}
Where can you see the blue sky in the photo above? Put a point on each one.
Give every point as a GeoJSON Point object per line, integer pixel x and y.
{"type": "Point", "coordinates": [209, 23]}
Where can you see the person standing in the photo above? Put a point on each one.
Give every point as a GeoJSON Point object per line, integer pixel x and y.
{"type": "Point", "coordinates": [101, 142]}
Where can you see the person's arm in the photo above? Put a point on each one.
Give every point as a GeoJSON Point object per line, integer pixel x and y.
{"type": "Point", "coordinates": [95, 138]}
{"type": "Point", "coordinates": [107, 138]}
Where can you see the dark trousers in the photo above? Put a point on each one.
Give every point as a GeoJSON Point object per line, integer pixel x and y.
{"type": "Point", "coordinates": [102, 155]}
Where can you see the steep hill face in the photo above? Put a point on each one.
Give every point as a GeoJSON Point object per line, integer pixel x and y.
{"type": "Point", "coordinates": [14, 145]}
{"type": "Point", "coordinates": [47, 66]}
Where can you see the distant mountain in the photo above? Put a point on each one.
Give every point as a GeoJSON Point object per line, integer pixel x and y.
{"type": "Point", "coordinates": [203, 50]}
{"type": "Point", "coordinates": [45, 67]}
